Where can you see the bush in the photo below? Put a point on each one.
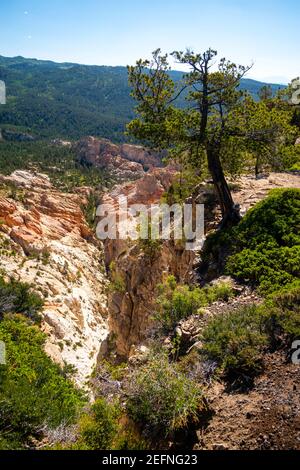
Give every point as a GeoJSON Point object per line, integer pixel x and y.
{"type": "Point", "coordinates": [264, 248]}
{"type": "Point", "coordinates": [177, 302]}
{"type": "Point", "coordinates": [183, 185]}
{"type": "Point", "coordinates": [282, 316]}
{"type": "Point", "coordinates": [151, 248]}
{"type": "Point", "coordinates": [270, 268]}
{"type": "Point", "coordinates": [105, 427]}
{"type": "Point", "coordinates": [129, 438]}
{"type": "Point", "coordinates": [98, 429]}
{"type": "Point", "coordinates": [219, 291]}
{"type": "Point", "coordinates": [18, 297]}
{"type": "Point", "coordinates": [160, 396]}
{"type": "Point", "coordinates": [289, 157]}
{"type": "Point", "coordinates": [34, 391]}
{"type": "Point", "coordinates": [235, 342]}
{"type": "Point", "coordinates": [268, 242]}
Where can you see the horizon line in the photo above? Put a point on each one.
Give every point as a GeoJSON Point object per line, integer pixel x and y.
{"type": "Point", "coordinates": [124, 66]}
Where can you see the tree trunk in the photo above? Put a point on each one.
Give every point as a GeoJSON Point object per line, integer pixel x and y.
{"type": "Point", "coordinates": [257, 167]}
{"type": "Point", "coordinates": [230, 211]}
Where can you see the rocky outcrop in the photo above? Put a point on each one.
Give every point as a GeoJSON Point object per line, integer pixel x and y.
{"type": "Point", "coordinates": [123, 161]}
{"type": "Point", "coordinates": [46, 242]}
{"type": "Point", "coordinates": [136, 271]}
{"type": "Point", "coordinates": [132, 307]}
{"type": "Point", "coordinates": [27, 180]}
{"type": "Point", "coordinates": [139, 154]}
{"type": "Point", "coordinates": [251, 190]}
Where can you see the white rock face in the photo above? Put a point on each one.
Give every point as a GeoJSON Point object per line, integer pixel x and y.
{"type": "Point", "coordinates": [27, 179]}
{"type": "Point", "coordinates": [55, 252]}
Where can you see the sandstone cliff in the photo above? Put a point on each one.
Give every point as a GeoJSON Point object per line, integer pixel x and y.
{"type": "Point", "coordinates": [45, 241]}
{"type": "Point", "coordinates": [123, 161]}
{"type": "Point", "coordinates": [136, 271]}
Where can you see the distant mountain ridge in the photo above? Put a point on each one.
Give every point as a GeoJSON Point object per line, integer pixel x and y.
{"type": "Point", "coordinates": [68, 100]}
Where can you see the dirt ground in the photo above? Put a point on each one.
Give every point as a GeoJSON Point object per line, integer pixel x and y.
{"type": "Point", "coordinates": [265, 418]}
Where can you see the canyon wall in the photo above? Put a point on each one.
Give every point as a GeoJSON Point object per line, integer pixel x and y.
{"type": "Point", "coordinates": [137, 268]}
{"type": "Point", "coordinates": [46, 242]}
{"type": "Point", "coordinates": [125, 162]}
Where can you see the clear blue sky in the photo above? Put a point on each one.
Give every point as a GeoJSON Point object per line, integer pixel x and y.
{"type": "Point", "coordinates": [117, 32]}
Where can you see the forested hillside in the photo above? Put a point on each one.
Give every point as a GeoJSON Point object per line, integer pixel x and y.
{"type": "Point", "coordinates": [70, 100]}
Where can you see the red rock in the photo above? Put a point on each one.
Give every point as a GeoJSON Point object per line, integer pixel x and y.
{"type": "Point", "coordinates": [124, 161]}
{"type": "Point", "coordinates": [49, 214]}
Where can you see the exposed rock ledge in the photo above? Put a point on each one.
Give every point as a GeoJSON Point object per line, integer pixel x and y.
{"type": "Point", "coordinates": [57, 253]}
{"type": "Point", "coordinates": [124, 161]}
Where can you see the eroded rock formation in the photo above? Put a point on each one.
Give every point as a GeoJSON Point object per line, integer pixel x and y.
{"type": "Point", "coordinates": [136, 271]}
{"type": "Point", "coordinates": [123, 161]}
{"type": "Point", "coordinates": [46, 242]}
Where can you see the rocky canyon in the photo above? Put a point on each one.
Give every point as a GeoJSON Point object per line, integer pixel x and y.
{"type": "Point", "coordinates": [46, 241]}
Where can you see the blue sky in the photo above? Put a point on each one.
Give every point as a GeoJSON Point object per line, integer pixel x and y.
{"type": "Point", "coordinates": [115, 32]}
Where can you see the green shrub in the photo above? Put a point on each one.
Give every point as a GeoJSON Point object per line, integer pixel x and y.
{"type": "Point", "coordinates": [183, 185]}
{"type": "Point", "coordinates": [111, 371]}
{"type": "Point", "coordinates": [270, 268]}
{"type": "Point", "coordinates": [34, 391]}
{"type": "Point", "coordinates": [130, 439]}
{"type": "Point", "coordinates": [235, 342]}
{"type": "Point", "coordinates": [106, 427]}
{"type": "Point", "coordinates": [289, 157]}
{"type": "Point", "coordinates": [282, 316]}
{"type": "Point", "coordinates": [160, 396]}
{"type": "Point", "coordinates": [98, 429]}
{"type": "Point", "coordinates": [264, 248]}
{"type": "Point", "coordinates": [220, 291]}
{"type": "Point", "coordinates": [151, 248]}
{"type": "Point", "coordinates": [117, 284]}
{"type": "Point", "coordinates": [176, 302]}
{"type": "Point", "coordinates": [18, 297]}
